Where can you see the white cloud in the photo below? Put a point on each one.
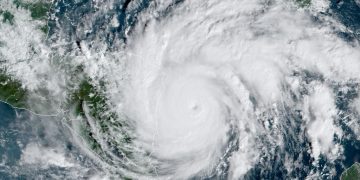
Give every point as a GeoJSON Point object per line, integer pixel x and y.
{"type": "Point", "coordinates": [320, 112]}
{"type": "Point", "coordinates": [44, 157]}
{"type": "Point", "coordinates": [188, 79]}
{"type": "Point", "coordinates": [184, 57]}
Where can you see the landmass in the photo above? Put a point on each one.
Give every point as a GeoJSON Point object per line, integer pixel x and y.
{"type": "Point", "coordinates": [12, 92]}
{"type": "Point", "coordinates": [87, 101]}
{"type": "Point", "coordinates": [352, 173]}
{"type": "Point", "coordinates": [7, 17]}
{"type": "Point", "coordinates": [303, 3]}
{"type": "Point", "coordinates": [11, 89]}
{"type": "Point", "coordinates": [92, 106]}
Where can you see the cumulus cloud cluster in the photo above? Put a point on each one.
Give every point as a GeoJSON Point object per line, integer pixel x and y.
{"type": "Point", "coordinates": [218, 88]}
{"type": "Point", "coordinates": [213, 68]}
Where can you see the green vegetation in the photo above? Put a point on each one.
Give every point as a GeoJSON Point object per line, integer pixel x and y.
{"type": "Point", "coordinates": [303, 3]}
{"type": "Point", "coordinates": [12, 92]}
{"type": "Point", "coordinates": [87, 94]}
{"type": "Point", "coordinates": [96, 102]}
{"type": "Point", "coordinates": [18, 3]}
{"type": "Point", "coordinates": [7, 17]}
{"type": "Point", "coordinates": [86, 133]}
{"type": "Point", "coordinates": [44, 29]}
{"type": "Point", "coordinates": [107, 121]}
{"type": "Point", "coordinates": [97, 105]}
{"type": "Point", "coordinates": [352, 173]}
{"type": "Point", "coordinates": [38, 9]}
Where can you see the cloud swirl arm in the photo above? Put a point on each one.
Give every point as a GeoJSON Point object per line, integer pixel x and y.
{"type": "Point", "coordinates": [210, 83]}
{"type": "Point", "coordinates": [165, 89]}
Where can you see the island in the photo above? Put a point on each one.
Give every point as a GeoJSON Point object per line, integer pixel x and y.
{"type": "Point", "coordinates": [352, 173]}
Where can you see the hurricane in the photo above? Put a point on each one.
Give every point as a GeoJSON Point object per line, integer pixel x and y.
{"type": "Point", "coordinates": [165, 89]}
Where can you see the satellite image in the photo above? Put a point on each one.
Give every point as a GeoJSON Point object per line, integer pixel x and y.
{"type": "Point", "coordinates": [180, 89]}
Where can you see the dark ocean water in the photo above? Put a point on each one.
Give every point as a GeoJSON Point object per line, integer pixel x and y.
{"type": "Point", "coordinates": [348, 12]}
{"type": "Point", "coordinates": [19, 127]}
{"type": "Point", "coordinates": [10, 137]}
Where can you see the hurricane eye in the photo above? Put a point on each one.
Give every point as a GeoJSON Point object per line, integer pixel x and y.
{"type": "Point", "coordinates": [179, 89]}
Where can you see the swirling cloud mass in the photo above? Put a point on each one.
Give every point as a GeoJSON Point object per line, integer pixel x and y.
{"type": "Point", "coordinates": [220, 89]}
{"type": "Point", "coordinates": [217, 85]}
